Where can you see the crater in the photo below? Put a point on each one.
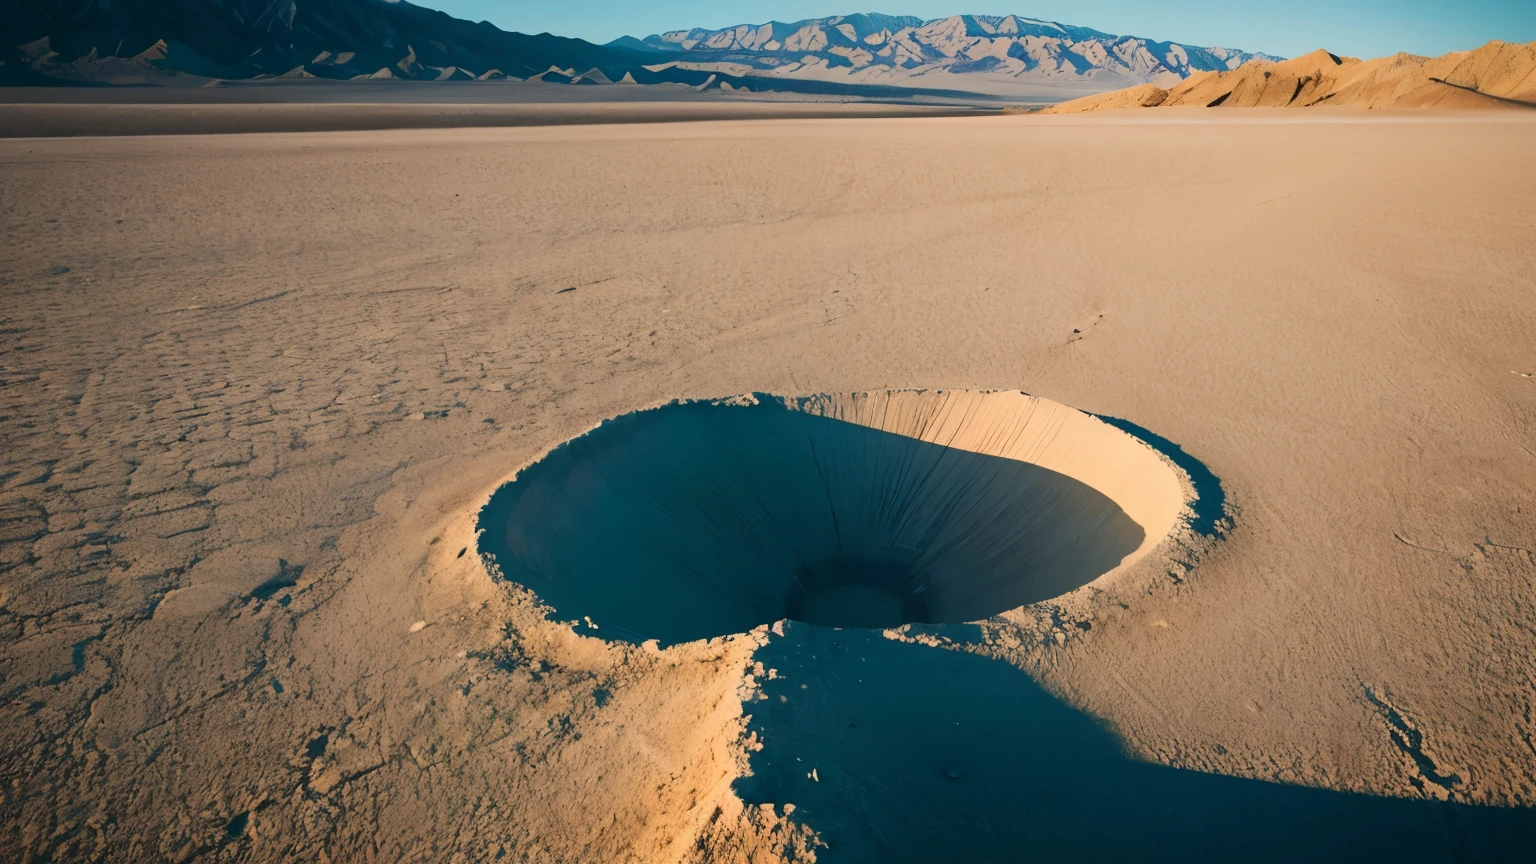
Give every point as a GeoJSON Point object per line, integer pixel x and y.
{"type": "Point", "coordinates": [864, 510]}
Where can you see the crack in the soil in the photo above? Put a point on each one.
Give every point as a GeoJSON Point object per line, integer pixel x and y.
{"type": "Point", "coordinates": [1411, 741]}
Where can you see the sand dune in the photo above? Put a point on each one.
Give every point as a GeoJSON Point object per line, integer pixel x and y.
{"type": "Point", "coordinates": [1498, 74]}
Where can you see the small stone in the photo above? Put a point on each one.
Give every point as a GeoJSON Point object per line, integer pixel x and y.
{"type": "Point", "coordinates": [418, 626]}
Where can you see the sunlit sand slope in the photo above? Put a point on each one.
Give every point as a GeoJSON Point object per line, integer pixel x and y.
{"type": "Point", "coordinates": [1496, 75]}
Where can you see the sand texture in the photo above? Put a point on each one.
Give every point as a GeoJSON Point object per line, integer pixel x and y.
{"type": "Point", "coordinates": [256, 390]}
{"type": "Point", "coordinates": [1498, 74]}
{"type": "Point", "coordinates": [214, 115]}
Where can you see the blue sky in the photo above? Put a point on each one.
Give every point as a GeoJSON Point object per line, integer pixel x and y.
{"type": "Point", "coordinates": [1367, 28]}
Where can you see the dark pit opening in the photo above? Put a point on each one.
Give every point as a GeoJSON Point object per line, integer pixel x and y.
{"type": "Point", "coordinates": [700, 519]}
{"type": "Point", "coordinates": [848, 592]}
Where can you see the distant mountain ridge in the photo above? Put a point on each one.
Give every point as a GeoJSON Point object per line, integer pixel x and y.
{"type": "Point", "coordinates": [322, 38]}
{"type": "Point", "coordinates": [870, 55]}
{"type": "Point", "coordinates": [890, 49]}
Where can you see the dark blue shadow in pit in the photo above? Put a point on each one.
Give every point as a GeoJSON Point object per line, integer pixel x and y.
{"type": "Point", "coordinates": [697, 520]}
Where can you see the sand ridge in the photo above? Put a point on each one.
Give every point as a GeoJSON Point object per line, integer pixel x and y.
{"type": "Point", "coordinates": [1498, 74]}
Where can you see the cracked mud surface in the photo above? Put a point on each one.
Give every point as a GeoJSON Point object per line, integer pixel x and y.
{"type": "Point", "coordinates": [253, 390]}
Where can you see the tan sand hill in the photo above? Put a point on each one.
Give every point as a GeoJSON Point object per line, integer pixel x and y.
{"type": "Point", "coordinates": [1140, 96]}
{"type": "Point", "coordinates": [1499, 74]}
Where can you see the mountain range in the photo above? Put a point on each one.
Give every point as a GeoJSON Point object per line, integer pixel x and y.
{"type": "Point", "coordinates": [53, 41]}
{"type": "Point", "coordinates": [990, 53]}
{"type": "Point", "coordinates": [238, 39]}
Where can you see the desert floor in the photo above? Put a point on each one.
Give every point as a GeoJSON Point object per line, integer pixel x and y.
{"type": "Point", "coordinates": [255, 388]}
{"type": "Point", "coordinates": [24, 113]}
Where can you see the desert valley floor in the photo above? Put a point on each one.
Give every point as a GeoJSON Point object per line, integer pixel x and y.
{"type": "Point", "coordinates": [255, 389]}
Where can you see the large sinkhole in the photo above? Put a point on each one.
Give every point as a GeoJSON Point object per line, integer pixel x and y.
{"type": "Point", "coordinates": [700, 519]}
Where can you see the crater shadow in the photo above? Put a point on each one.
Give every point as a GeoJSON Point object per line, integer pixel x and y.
{"type": "Point", "coordinates": [923, 754]}
{"type": "Point", "coordinates": [699, 519]}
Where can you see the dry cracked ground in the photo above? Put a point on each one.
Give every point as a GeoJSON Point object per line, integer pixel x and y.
{"type": "Point", "coordinates": [253, 390]}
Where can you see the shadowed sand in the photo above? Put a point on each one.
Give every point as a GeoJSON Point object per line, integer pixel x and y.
{"type": "Point", "coordinates": [256, 390]}
{"type": "Point", "coordinates": [978, 763]}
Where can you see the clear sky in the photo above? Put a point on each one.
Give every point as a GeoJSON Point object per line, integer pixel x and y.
{"type": "Point", "coordinates": [1365, 28]}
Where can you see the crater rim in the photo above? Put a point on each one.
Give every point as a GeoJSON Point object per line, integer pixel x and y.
{"type": "Point", "coordinates": [983, 445]}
